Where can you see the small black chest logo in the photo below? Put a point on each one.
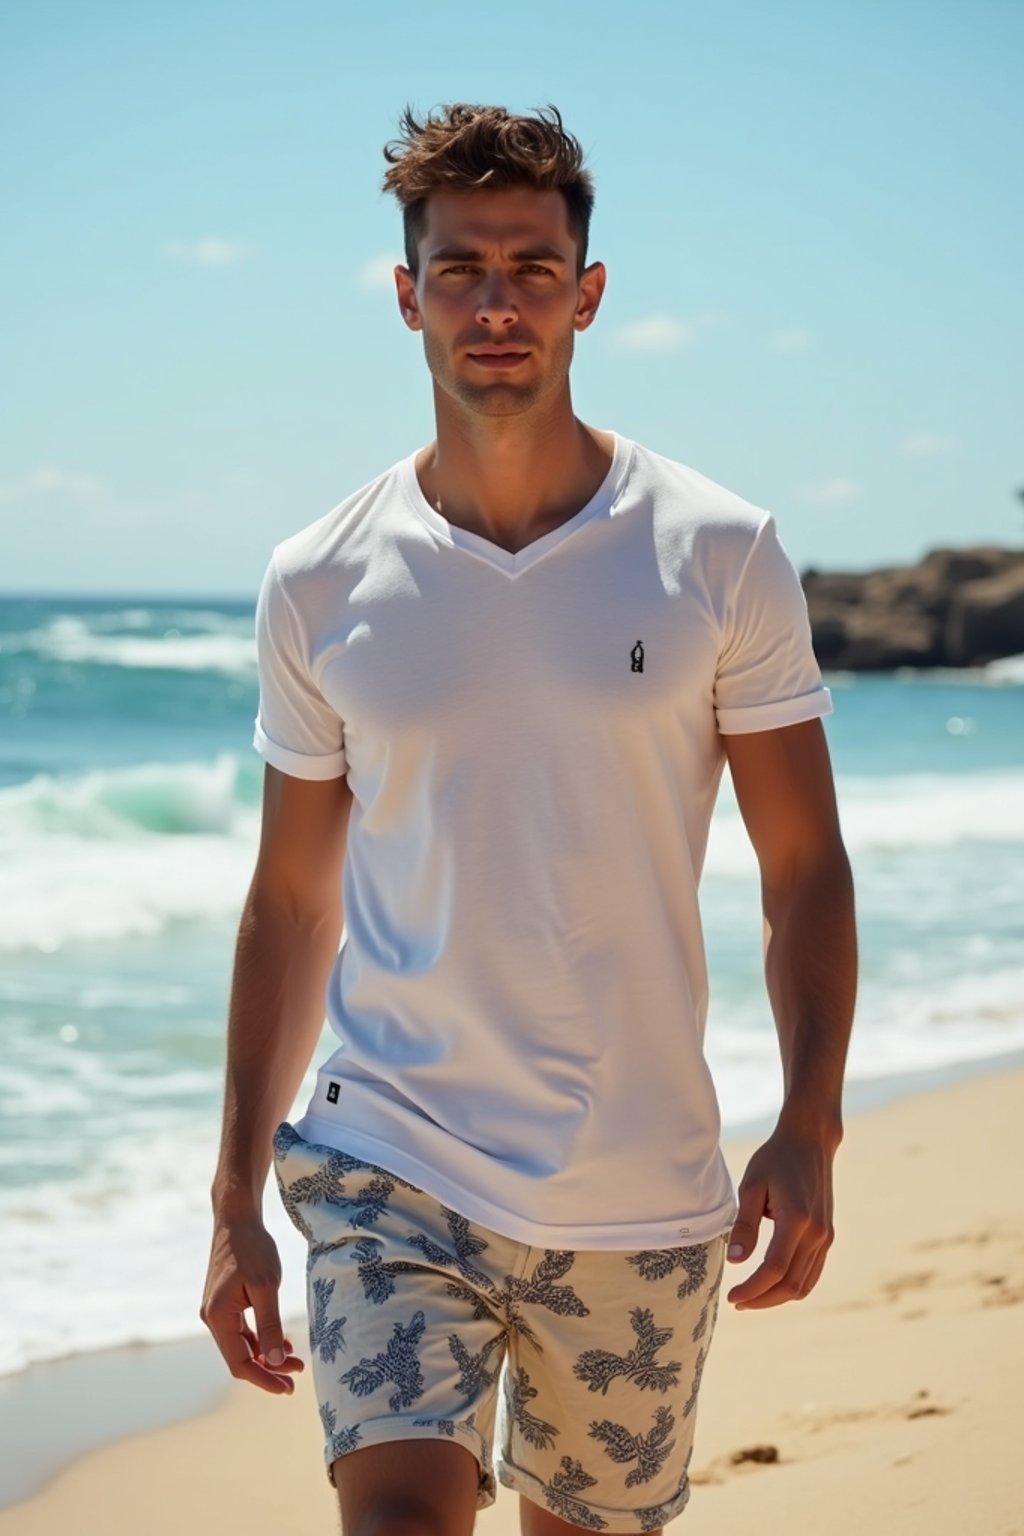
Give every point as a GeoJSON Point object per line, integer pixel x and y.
{"type": "Point", "coordinates": [333, 1090]}
{"type": "Point", "coordinates": [636, 657]}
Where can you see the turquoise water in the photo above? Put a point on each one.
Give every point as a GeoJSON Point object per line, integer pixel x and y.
{"type": "Point", "coordinates": [129, 800]}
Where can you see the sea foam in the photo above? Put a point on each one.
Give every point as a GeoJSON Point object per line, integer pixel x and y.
{"type": "Point", "coordinates": [123, 852]}
{"type": "Point", "coordinates": [119, 803]}
{"type": "Point", "coordinates": [899, 812]}
{"type": "Point", "coordinates": [75, 641]}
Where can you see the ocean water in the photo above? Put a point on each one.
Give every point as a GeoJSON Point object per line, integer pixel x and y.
{"type": "Point", "coordinates": [129, 802]}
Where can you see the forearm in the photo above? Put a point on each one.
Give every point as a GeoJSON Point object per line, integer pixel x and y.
{"type": "Point", "coordinates": [811, 973]}
{"type": "Point", "coordinates": [276, 1012]}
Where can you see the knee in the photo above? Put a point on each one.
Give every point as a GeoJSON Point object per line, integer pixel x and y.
{"type": "Point", "coordinates": [400, 1517]}
{"type": "Point", "coordinates": [407, 1488]}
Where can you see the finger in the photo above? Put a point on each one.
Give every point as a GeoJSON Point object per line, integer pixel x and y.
{"type": "Point", "coordinates": [237, 1344]}
{"type": "Point", "coordinates": [276, 1382]}
{"type": "Point", "coordinates": [814, 1270]}
{"type": "Point", "coordinates": [292, 1363]}
{"type": "Point", "coordinates": [776, 1264]}
{"type": "Point", "coordinates": [743, 1237]}
{"type": "Point", "coordinates": [801, 1275]}
{"type": "Point", "coordinates": [270, 1347]}
{"type": "Point", "coordinates": [789, 1288]}
{"type": "Point", "coordinates": [240, 1348]}
{"type": "Point", "coordinates": [289, 1351]}
{"type": "Point", "coordinates": [247, 1333]}
{"type": "Point", "coordinates": [269, 1330]}
{"type": "Point", "coordinates": [813, 1274]}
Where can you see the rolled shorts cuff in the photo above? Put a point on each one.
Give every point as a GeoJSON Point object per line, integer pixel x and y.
{"type": "Point", "coordinates": [386, 1431]}
{"type": "Point", "coordinates": [593, 1517]}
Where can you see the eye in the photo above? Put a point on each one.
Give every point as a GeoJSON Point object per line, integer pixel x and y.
{"type": "Point", "coordinates": [534, 269]}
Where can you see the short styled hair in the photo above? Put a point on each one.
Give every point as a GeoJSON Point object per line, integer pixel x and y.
{"type": "Point", "coordinates": [465, 148]}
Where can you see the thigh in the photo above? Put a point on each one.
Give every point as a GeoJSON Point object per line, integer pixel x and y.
{"type": "Point", "coordinates": [405, 1345]}
{"type": "Point", "coordinates": [606, 1354]}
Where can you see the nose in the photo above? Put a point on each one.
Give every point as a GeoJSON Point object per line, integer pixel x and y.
{"type": "Point", "coordinates": [495, 304]}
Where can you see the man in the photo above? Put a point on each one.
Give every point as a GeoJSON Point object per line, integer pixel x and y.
{"type": "Point", "coordinates": [498, 686]}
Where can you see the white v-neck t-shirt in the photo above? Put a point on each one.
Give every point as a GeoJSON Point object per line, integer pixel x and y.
{"type": "Point", "coordinates": [533, 742]}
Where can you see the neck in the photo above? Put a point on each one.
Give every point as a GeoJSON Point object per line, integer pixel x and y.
{"type": "Point", "coordinates": [511, 479]}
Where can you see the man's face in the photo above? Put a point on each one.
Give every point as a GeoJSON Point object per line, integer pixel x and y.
{"type": "Point", "coordinates": [498, 297]}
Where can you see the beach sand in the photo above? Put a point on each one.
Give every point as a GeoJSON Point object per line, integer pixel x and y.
{"type": "Point", "coordinates": [890, 1400]}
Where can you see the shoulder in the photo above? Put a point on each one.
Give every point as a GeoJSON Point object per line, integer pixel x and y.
{"type": "Point", "coordinates": [328, 541]}
{"type": "Point", "coordinates": [694, 497]}
{"type": "Point", "coordinates": [698, 523]}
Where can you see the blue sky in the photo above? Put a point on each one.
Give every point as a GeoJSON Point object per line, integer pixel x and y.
{"type": "Point", "coordinates": [810, 212]}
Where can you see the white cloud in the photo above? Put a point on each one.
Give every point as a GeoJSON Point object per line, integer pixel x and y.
{"type": "Point", "coordinates": [832, 492]}
{"type": "Point", "coordinates": [790, 341]}
{"type": "Point", "coordinates": [655, 333]}
{"type": "Point", "coordinates": [48, 481]}
{"type": "Point", "coordinates": [375, 275]}
{"type": "Point", "coordinates": [925, 445]}
{"type": "Point", "coordinates": [211, 251]}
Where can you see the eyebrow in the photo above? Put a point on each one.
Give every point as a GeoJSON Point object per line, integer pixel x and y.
{"type": "Point", "coordinates": [536, 253]}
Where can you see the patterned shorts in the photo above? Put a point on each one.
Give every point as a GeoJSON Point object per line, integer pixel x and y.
{"type": "Point", "coordinates": [413, 1310]}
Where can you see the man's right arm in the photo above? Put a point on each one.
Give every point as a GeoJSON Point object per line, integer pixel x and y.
{"type": "Point", "coordinates": [287, 942]}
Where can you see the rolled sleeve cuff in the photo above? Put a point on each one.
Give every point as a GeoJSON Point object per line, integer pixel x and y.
{"type": "Point", "coordinates": [747, 719]}
{"type": "Point", "coordinates": [300, 765]}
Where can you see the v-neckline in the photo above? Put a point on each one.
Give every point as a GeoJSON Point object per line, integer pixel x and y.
{"type": "Point", "coordinates": [513, 564]}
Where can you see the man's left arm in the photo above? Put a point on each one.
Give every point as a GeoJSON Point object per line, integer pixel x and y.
{"type": "Point", "coordinates": [783, 782]}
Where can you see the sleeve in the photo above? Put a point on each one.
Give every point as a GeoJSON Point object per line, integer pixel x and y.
{"type": "Point", "coordinates": [767, 674]}
{"type": "Point", "coordinates": [296, 729]}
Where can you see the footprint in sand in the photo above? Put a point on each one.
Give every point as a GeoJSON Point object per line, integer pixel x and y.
{"type": "Point", "coordinates": [725, 1466]}
{"type": "Point", "coordinates": [992, 1287]}
{"type": "Point", "coordinates": [896, 1288]}
{"type": "Point", "coordinates": [998, 1289]}
{"type": "Point", "coordinates": [815, 1421]}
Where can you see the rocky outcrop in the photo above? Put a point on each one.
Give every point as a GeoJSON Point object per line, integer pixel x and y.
{"type": "Point", "coordinates": [955, 608]}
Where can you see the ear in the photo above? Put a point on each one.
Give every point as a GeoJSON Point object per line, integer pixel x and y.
{"type": "Point", "coordinates": [592, 284]}
{"type": "Point", "coordinates": [408, 304]}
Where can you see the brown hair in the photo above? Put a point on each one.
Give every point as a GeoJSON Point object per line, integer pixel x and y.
{"type": "Point", "coordinates": [465, 148]}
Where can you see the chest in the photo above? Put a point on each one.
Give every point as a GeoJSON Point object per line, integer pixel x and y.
{"type": "Point", "coordinates": [429, 637]}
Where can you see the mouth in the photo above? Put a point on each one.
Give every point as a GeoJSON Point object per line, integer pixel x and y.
{"type": "Point", "coordinates": [497, 357]}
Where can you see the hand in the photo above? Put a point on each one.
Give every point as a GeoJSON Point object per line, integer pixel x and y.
{"type": "Point", "coordinates": [245, 1271]}
{"type": "Point", "coordinates": [789, 1181]}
